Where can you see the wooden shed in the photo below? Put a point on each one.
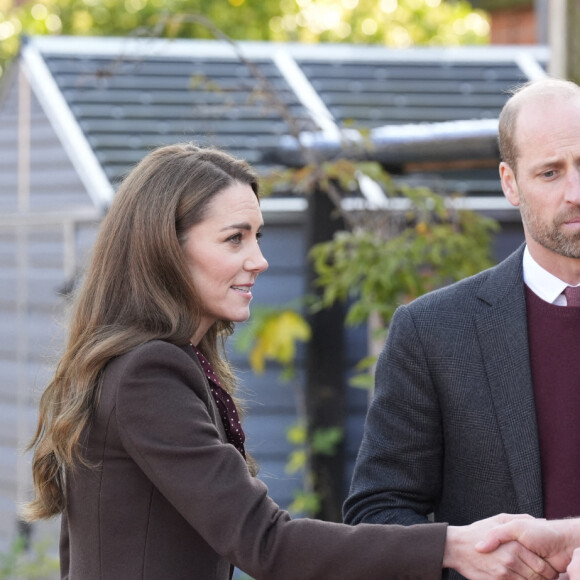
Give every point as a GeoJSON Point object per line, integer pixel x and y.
{"type": "Point", "coordinates": [77, 113]}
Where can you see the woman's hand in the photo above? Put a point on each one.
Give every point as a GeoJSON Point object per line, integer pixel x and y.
{"type": "Point", "coordinates": [552, 540]}
{"type": "Point", "coordinates": [509, 560]}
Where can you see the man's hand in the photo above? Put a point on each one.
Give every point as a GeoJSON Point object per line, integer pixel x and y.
{"type": "Point", "coordinates": [574, 566]}
{"type": "Point", "coordinates": [508, 561]}
{"type": "Point", "coordinates": [552, 540]}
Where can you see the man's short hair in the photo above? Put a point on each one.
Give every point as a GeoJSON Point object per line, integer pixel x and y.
{"type": "Point", "coordinates": [543, 88]}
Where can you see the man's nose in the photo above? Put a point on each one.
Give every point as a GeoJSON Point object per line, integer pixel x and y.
{"type": "Point", "coordinates": [572, 194]}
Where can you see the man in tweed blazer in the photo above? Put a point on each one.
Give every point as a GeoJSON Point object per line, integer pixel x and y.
{"type": "Point", "coordinates": [475, 409]}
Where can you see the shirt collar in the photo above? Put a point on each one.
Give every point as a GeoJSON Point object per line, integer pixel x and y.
{"type": "Point", "coordinates": [543, 284]}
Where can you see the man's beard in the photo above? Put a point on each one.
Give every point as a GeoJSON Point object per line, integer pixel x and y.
{"type": "Point", "coordinates": [551, 235]}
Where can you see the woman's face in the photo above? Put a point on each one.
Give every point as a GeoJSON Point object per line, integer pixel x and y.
{"type": "Point", "coordinates": [224, 256]}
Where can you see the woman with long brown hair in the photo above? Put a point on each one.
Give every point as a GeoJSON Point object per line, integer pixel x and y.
{"type": "Point", "coordinates": [139, 446]}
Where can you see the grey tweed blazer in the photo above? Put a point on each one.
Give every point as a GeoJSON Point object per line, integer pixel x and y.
{"type": "Point", "coordinates": [452, 427]}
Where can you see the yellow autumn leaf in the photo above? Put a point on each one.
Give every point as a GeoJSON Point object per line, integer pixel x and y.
{"type": "Point", "coordinates": [296, 434]}
{"type": "Point", "coordinates": [257, 358]}
{"type": "Point", "coordinates": [296, 461]}
{"type": "Point", "coordinates": [276, 340]}
{"type": "Point", "coordinates": [421, 228]}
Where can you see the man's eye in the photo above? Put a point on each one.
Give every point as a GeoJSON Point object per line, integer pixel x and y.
{"type": "Point", "coordinates": [549, 173]}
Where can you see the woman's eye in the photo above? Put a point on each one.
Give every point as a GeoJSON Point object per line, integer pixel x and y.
{"type": "Point", "coordinates": [236, 238]}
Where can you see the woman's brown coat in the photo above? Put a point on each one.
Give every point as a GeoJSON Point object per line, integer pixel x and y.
{"type": "Point", "coordinates": [171, 500]}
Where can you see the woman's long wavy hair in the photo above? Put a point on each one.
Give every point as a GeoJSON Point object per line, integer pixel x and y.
{"type": "Point", "coordinates": [137, 288]}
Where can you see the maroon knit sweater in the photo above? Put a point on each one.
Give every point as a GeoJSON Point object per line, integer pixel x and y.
{"type": "Point", "coordinates": [554, 341]}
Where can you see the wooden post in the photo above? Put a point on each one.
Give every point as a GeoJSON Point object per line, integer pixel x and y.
{"type": "Point", "coordinates": [572, 71]}
{"type": "Point", "coordinates": [325, 396]}
{"type": "Point", "coordinates": [22, 336]}
{"type": "Point", "coordinates": [564, 23]}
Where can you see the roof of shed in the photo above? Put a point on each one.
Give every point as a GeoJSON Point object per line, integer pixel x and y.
{"type": "Point", "coordinates": [113, 99]}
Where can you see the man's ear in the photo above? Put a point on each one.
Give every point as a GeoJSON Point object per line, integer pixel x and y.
{"type": "Point", "coordinates": [509, 184]}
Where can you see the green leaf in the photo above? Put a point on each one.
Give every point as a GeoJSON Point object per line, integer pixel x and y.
{"type": "Point", "coordinates": [325, 441]}
{"type": "Point", "coordinates": [364, 381]}
{"type": "Point", "coordinates": [305, 503]}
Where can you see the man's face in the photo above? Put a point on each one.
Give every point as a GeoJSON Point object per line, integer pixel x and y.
{"type": "Point", "coordinates": [547, 186]}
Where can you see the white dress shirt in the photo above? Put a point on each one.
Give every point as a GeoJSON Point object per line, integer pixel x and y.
{"type": "Point", "coordinates": [543, 284]}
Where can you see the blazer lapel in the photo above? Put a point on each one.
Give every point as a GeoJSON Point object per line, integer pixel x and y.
{"type": "Point", "coordinates": [503, 335]}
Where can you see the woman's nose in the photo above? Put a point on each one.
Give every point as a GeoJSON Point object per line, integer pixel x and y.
{"type": "Point", "coordinates": [256, 261]}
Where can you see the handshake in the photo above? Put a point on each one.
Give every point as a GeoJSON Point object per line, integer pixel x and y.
{"type": "Point", "coordinates": [515, 546]}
